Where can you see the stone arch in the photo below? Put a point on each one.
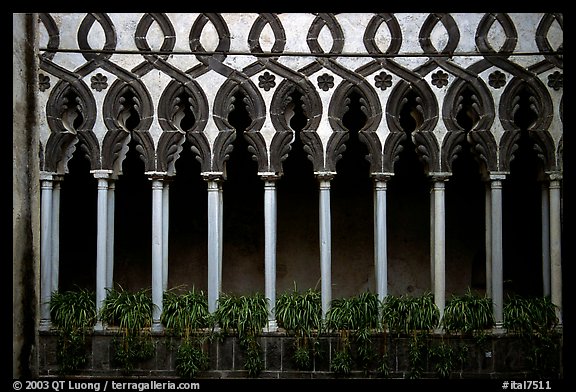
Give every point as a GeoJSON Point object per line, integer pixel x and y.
{"type": "Point", "coordinates": [70, 111]}
{"type": "Point", "coordinates": [223, 105]}
{"type": "Point", "coordinates": [538, 101]}
{"type": "Point", "coordinates": [182, 109]}
{"type": "Point", "coordinates": [425, 114]}
{"type": "Point", "coordinates": [128, 114]}
{"type": "Point", "coordinates": [370, 106]}
{"type": "Point", "coordinates": [472, 99]}
{"type": "Point", "coordinates": [282, 110]}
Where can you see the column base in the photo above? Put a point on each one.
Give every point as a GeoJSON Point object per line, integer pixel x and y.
{"type": "Point", "coordinates": [99, 326]}
{"type": "Point", "coordinates": [157, 327]}
{"type": "Point", "coordinates": [272, 326]}
{"type": "Point", "coordinates": [45, 325]}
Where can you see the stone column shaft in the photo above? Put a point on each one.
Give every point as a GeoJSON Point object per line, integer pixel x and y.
{"type": "Point", "coordinates": [110, 235]}
{"type": "Point", "coordinates": [165, 223]}
{"type": "Point", "coordinates": [325, 242]}
{"type": "Point", "coordinates": [270, 248]}
{"type": "Point", "coordinates": [55, 248]}
{"type": "Point", "coordinates": [101, 239]}
{"type": "Point", "coordinates": [214, 242]}
{"type": "Point", "coordinates": [439, 230]}
{"type": "Point", "coordinates": [45, 250]}
{"type": "Point", "coordinates": [545, 240]}
{"type": "Point", "coordinates": [555, 245]}
{"type": "Point", "coordinates": [157, 252]}
{"type": "Point", "coordinates": [380, 237]}
{"type": "Point", "coordinates": [488, 238]}
{"type": "Point", "coordinates": [497, 258]}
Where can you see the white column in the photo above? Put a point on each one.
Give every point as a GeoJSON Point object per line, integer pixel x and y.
{"type": "Point", "coordinates": [488, 238]}
{"type": "Point", "coordinates": [214, 241]}
{"type": "Point", "coordinates": [555, 244]}
{"type": "Point", "coordinates": [545, 240]}
{"type": "Point", "coordinates": [165, 223]}
{"type": "Point", "coordinates": [380, 236]}
{"type": "Point", "coordinates": [497, 258]}
{"type": "Point", "coordinates": [439, 255]}
{"type": "Point", "coordinates": [101, 239]}
{"type": "Point", "coordinates": [157, 233]}
{"type": "Point", "coordinates": [110, 235]}
{"type": "Point", "coordinates": [270, 247]}
{"type": "Point", "coordinates": [432, 241]}
{"type": "Point", "coordinates": [45, 250]}
{"type": "Point", "coordinates": [325, 241]}
{"type": "Point", "coordinates": [55, 260]}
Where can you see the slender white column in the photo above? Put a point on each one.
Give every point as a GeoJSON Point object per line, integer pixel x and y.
{"type": "Point", "coordinates": [45, 250]}
{"type": "Point", "coordinates": [220, 223]}
{"type": "Point", "coordinates": [157, 292]}
{"type": "Point", "coordinates": [165, 223]}
{"type": "Point", "coordinates": [110, 235]}
{"type": "Point", "coordinates": [270, 247]}
{"type": "Point", "coordinates": [325, 241]}
{"type": "Point", "coordinates": [488, 238]}
{"type": "Point", "coordinates": [101, 239]}
{"type": "Point", "coordinates": [439, 255]}
{"type": "Point", "coordinates": [214, 241]}
{"type": "Point", "coordinates": [55, 260]}
{"type": "Point", "coordinates": [545, 240]}
{"type": "Point", "coordinates": [380, 236]}
{"type": "Point", "coordinates": [432, 241]}
{"type": "Point", "coordinates": [497, 258]}
{"type": "Point", "coordinates": [555, 244]}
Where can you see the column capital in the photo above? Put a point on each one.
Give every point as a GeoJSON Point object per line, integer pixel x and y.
{"type": "Point", "coordinates": [101, 173]}
{"type": "Point", "coordinates": [154, 175]}
{"type": "Point", "coordinates": [47, 176]}
{"type": "Point", "coordinates": [439, 176]}
{"type": "Point", "coordinates": [381, 176]}
{"type": "Point", "coordinates": [325, 176]}
{"type": "Point", "coordinates": [554, 176]}
{"type": "Point", "coordinates": [496, 176]}
{"type": "Point", "coordinates": [213, 176]}
{"type": "Point", "coordinates": [269, 176]}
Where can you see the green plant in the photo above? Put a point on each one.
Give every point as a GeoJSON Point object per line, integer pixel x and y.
{"type": "Point", "coordinates": [300, 313]}
{"type": "Point", "coordinates": [355, 318]}
{"type": "Point", "coordinates": [184, 314]}
{"type": "Point", "coordinates": [245, 315]}
{"type": "Point", "coordinates": [73, 313]}
{"type": "Point", "coordinates": [445, 357]}
{"type": "Point", "coordinates": [406, 314]}
{"type": "Point", "coordinates": [132, 313]}
{"type": "Point", "coordinates": [468, 314]}
{"type": "Point", "coordinates": [190, 358]}
{"type": "Point", "coordinates": [415, 316]}
{"type": "Point", "coordinates": [534, 320]}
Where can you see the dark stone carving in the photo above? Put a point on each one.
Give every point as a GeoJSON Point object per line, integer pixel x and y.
{"type": "Point", "coordinates": [43, 82]}
{"type": "Point", "coordinates": [99, 82]}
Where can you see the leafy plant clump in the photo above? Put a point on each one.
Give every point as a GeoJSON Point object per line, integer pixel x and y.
{"type": "Point", "coordinates": [245, 315]}
{"type": "Point", "coordinates": [354, 318]}
{"type": "Point", "coordinates": [534, 319]}
{"type": "Point", "coordinates": [186, 315]}
{"type": "Point", "coordinates": [132, 313]}
{"type": "Point", "coordinates": [300, 314]}
{"type": "Point", "coordinates": [74, 314]}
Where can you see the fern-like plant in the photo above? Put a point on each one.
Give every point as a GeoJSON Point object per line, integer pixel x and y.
{"type": "Point", "coordinates": [73, 314]}
{"type": "Point", "coordinates": [185, 314]}
{"type": "Point", "coordinates": [300, 314]}
{"type": "Point", "coordinates": [246, 316]}
{"type": "Point", "coordinates": [132, 313]}
{"type": "Point", "coordinates": [534, 320]}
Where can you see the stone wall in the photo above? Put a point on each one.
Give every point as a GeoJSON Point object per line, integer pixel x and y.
{"type": "Point", "coordinates": [499, 356]}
